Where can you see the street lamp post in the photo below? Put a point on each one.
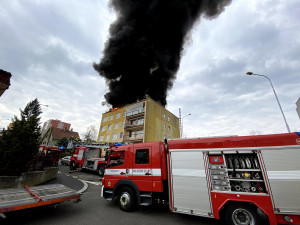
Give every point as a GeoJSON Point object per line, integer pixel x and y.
{"type": "Point", "coordinates": [287, 126]}
{"type": "Point", "coordinates": [182, 123]}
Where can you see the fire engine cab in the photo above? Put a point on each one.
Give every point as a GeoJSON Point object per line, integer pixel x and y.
{"type": "Point", "coordinates": [240, 179]}
{"type": "Point", "coordinates": [89, 156]}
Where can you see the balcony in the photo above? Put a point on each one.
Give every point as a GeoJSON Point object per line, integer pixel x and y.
{"type": "Point", "coordinates": [135, 113]}
{"type": "Point", "coordinates": [133, 126]}
{"type": "Point", "coordinates": [134, 138]}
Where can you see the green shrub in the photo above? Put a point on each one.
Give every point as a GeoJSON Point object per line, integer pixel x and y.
{"type": "Point", "coordinates": [19, 145]}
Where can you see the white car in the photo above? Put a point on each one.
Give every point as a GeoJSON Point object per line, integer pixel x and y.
{"type": "Point", "coordinates": [65, 160]}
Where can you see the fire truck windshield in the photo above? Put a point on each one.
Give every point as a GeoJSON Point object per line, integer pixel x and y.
{"type": "Point", "coordinates": [116, 158]}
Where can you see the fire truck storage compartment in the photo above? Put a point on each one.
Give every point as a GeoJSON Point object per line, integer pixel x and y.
{"type": "Point", "coordinates": [283, 171]}
{"type": "Point", "coordinates": [190, 192]}
{"type": "Point", "coordinates": [236, 172]}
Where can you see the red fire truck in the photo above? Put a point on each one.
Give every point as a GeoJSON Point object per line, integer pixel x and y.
{"type": "Point", "coordinates": [241, 179]}
{"type": "Point", "coordinates": [89, 156]}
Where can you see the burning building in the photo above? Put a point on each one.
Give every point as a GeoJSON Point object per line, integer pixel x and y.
{"type": "Point", "coordinates": [143, 121]}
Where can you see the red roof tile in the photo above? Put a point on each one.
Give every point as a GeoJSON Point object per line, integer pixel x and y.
{"type": "Point", "coordinates": [58, 133]}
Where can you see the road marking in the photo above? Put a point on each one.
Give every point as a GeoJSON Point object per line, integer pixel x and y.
{"type": "Point", "coordinates": [85, 186]}
{"type": "Point", "coordinates": [98, 183]}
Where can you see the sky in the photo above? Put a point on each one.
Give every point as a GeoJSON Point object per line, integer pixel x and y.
{"type": "Point", "coordinates": [49, 47]}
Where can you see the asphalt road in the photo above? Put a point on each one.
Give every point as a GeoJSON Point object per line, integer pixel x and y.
{"type": "Point", "coordinates": [95, 210]}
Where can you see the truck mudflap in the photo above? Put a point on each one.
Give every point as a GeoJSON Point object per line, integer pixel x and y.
{"type": "Point", "coordinates": [23, 198]}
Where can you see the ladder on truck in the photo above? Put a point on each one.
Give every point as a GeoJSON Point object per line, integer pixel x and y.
{"type": "Point", "coordinates": [89, 145]}
{"type": "Point", "coordinates": [13, 199]}
{"type": "Point", "coordinates": [95, 144]}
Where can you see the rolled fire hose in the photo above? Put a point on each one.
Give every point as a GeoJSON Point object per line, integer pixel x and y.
{"type": "Point", "coordinates": [236, 163]}
{"type": "Point", "coordinates": [256, 164]}
{"type": "Point", "coordinates": [242, 163]}
{"type": "Point", "coordinates": [248, 163]}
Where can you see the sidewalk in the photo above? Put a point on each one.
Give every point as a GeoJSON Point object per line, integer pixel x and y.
{"type": "Point", "coordinates": [69, 181]}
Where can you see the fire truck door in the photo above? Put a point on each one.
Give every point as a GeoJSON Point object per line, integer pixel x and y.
{"type": "Point", "coordinates": [189, 184]}
{"type": "Point", "coordinates": [141, 172]}
{"type": "Point", "coordinates": [80, 154]}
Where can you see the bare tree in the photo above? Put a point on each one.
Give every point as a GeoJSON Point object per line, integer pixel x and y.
{"type": "Point", "coordinates": [90, 134]}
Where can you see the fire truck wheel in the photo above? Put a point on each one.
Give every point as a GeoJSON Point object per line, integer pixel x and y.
{"type": "Point", "coordinates": [72, 165]}
{"type": "Point", "coordinates": [242, 214]}
{"type": "Point", "coordinates": [127, 199]}
{"type": "Point", "coordinates": [101, 169]}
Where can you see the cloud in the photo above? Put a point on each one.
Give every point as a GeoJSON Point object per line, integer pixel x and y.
{"type": "Point", "coordinates": [50, 46]}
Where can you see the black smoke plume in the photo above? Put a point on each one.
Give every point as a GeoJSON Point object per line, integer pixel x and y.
{"type": "Point", "coordinates": [143, 52]}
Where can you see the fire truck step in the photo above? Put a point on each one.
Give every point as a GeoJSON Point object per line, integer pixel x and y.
{"type": "Point", "coordinates": [108, 195]}
{"type": "Point", "coordinates": [145, 199]}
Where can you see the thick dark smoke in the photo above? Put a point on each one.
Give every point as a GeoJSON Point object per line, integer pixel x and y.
{"type": "Point", "coordinates": [143, 52]}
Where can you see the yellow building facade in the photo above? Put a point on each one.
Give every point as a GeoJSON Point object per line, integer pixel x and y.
{"type": "Point", "coordinates": [112, 126]}
{"type": "Point", "coordinates": [143, 121]}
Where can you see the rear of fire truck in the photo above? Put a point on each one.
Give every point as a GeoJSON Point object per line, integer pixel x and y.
{"type": "Point", "coordinates": [244, 180]}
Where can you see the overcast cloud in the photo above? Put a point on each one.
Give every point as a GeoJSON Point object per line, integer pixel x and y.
{"type": "Point", "coordinates": [49, 48]}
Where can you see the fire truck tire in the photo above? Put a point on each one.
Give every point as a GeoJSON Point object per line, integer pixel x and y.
{"type": "Point", "coordinates": [101, 169]}
{"type": "Point", "coordinates": [72, 165]}
{"type": "Point", "coordinates": [242, 214]}
{"type": "Point", "coordinates": [127, 199]}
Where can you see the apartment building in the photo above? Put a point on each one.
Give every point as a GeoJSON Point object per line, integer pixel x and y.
{"type": "Point", "coordinates": [143, 121]}
{"type": "Point", "coordinates": [54, 130]}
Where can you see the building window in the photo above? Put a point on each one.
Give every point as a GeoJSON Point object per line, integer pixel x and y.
{"type": "Point", "coordinates": [123, 124]}
{"type": "Point", "coordinates": [121, 135]}
{"type": "Point", "coordinates": [60, 125]}
{"type": "Point", "coordinates": [114, 137]}
{"type": "Point", "coordinates": [105, 119]}
{"type": "Point", "coordinates": [131, 133]}
{"type": "Point", "coordinates": [168, 118]}
{"type": "Point", "coordinates": [140, 133]}
{"type": "Point", "coordinates": [111, 117]}
{"type": "Point", "coordinates": [116, 126]}
{"type": "Point", "coordinates": [109, 127]}
{"type": "Point", "coordinates": [164, 126]}
{"type": "Point", "coordinates": [169, 128]}
{"type": "Point", "coordinates": [142, 156]}
{"type": "Point", "coordinates": [164, 116]}
{"type": "Point", "coordinates": [101, 138]}
{"type": "Point", "coordinates": [118, 115]}
{"type": "Point", "coordinates": [103, 128]}
{"type": "Point", "coordinates": [107, 137]}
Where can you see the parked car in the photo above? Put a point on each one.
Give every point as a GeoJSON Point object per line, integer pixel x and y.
{"type": "Point", "coordinates": [65, 160]}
